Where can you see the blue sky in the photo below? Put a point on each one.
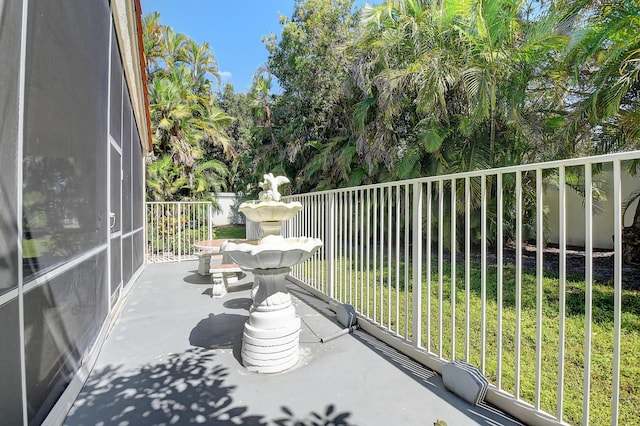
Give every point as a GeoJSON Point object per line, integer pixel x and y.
{"type": "Point", "coordinates": [233, 28]}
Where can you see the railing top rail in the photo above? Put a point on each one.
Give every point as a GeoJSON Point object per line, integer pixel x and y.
{"type": "Point", "coordinates": [581, 161]}
{"type": "Point", "coordinates": [178, 202]}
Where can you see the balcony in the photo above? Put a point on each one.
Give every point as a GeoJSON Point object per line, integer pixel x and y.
{"type": "Point", "coordinates": [525, 279]}
{"type": "Point", "coordinates": [173, 355]}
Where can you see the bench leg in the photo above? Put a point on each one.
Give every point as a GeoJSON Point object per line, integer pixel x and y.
{"type": "Point", "coordinates": [219, 288]}
{"type": "Point", "coordinates": [204, 264]}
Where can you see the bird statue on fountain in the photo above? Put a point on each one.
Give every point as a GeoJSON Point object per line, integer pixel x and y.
{"type": "Point", "coordinates": [270, 187]}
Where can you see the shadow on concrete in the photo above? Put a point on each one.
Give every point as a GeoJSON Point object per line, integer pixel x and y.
{"type": "Point", "coordinates": [238, 303]}
{"type": "Point", "coordinates": [222, 331]}
{"type": "Point", "coordinates": [182, 389]}
{"type": "Point", "coordinates": [482, 413]}
{"type": "Point", "coordinates": [328, 417]}
{"type": "Point", "coordinates": [196, 278]}
{"type": "Point", "coordinates": [313, 302]}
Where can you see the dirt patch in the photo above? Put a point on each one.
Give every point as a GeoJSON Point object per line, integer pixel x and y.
{"type": "Point", "coordinates": [602, 263]}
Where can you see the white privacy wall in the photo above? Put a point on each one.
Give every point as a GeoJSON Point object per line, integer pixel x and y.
{"type": "Point", "coordinates": [226, 212]}
{"type": "Point", "coordinates": [602, 223]}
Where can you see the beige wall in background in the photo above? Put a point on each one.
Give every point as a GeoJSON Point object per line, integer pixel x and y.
{"type": "Point", "coordinates": [602, 218]}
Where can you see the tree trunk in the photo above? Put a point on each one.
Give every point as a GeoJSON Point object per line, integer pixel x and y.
{"type": "Point", "coordinates": [631, 240]}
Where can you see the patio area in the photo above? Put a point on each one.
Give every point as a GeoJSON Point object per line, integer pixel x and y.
{"type": "Point", "coordinates": [173, 357]}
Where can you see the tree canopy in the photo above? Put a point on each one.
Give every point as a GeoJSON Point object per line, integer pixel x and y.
{"type": "Point", "coordinates": [401, 89]}
{"type": "Point", "coordinates": [186, 117]}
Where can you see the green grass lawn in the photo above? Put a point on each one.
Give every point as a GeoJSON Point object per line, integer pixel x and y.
{"type": "Point", "coordinates": [232, 232]}
{"type": "Point", "coordinates": [385, 301]}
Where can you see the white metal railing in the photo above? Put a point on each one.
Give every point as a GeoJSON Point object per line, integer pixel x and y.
{"type": "Point", "coordinates": [437, 263]}
{"type": "Point", "coordinates": [172, 228]}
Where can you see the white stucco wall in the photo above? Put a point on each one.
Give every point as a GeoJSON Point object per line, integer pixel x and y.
{"type": "Point", "coordinates": [602, 218]}
{"type": "Point", "coordinates": [227, 211]}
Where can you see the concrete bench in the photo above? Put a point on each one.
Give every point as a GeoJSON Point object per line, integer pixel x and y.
{"type": "Point", "coordinates": [204, 261]}
{"type": "Point", "coordinates": [204, 251]}
{"type": "Point", "coordinates": [220, 275]}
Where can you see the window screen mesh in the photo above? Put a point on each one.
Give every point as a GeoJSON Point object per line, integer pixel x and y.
{"type": "Point", "coordinates": [11, 383]}
{"type": "Point", "coordinates": [126, 162]}
{"type": "Point", "coordinates": [116, 264]}
{"type": "Point", "coordinates": [115, 123]}
{"type": "Point", "coordinates": [63, 317]}
{"type": "Point", "coordinates": [65, 181]}
{"type": "Point", "coordinates": [127, 259]}
{"type": "Point", "coordinates": [10, 13]}
{"type": "Point", "coordinates": [65, 145]}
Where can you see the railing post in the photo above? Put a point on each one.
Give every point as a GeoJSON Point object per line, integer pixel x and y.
{"type": "Point", "coordinates": [209, 221]}
{"type": "Point", "coordinates": [179, 231]}
{"type": "Point", "coordinates": [618, 225]}
{"type": "Point", "coordinates": [330, 227]}
{"type": "Point", "coordinates": [416, 259]}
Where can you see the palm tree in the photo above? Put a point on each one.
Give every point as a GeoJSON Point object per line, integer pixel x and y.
{"type": "Point", "coordinates": [441, 79]}
{"type": "Point", "coordinates": [201, 61]}
{"type": "Point", "coordinates": [335, 164]}
{"type": "Point", "coordinates": [151, 36]}
{"type": "Point", "coordinates": [172, 47]}
{"type": "Point", "coordinates": [209, 176]}
{"type": "Point", "coordinates": [260, 101]}
{"type": "Point", "coordinates": [185, 116]}
{"type": "Point", "coordinates": [452, 86]}
{"type": "Point", "coordinates": [163, 180]}
{"type": "Point", "coordinates": [608, 50]}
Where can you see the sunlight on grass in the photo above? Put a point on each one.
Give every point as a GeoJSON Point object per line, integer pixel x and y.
{"type": "Point", "coordinates": [380, 294]}
{"type": "Point", "coordinates": [233, 232]}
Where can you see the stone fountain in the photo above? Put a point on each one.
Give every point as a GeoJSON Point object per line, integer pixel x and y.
{"type": "Point", "coordinates": [270, 341]}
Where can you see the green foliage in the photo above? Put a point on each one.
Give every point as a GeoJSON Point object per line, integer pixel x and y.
{"type": "Point", "coordinates": [186, 119]}
{"type": "Point", "coordinates": [604, 57]}
{"type": "Point", "coordinates": [405, 89]}
{"type": "Point", "coordinates": [164, 180]}
{"type": "Point", "coordinates": [311, 64]}
{"type": "Point", "coordinates": [453, 74]}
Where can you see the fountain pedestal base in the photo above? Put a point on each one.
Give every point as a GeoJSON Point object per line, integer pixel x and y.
{"type": "Point", "coordinates": [270, 342]}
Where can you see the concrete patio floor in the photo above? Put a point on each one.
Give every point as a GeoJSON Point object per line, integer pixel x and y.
{"type": "Point", "coordinates": [173, 358]}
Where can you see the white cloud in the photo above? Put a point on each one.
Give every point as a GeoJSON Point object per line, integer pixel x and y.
{"type": "Point", "coordinates": [225, 75]}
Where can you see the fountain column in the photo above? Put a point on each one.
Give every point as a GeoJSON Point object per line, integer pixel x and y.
{"type": "Point", "coordinates": [270, 342]}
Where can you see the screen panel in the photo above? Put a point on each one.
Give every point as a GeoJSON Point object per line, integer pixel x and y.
{"type": "Point", "coordinates": [138, 183]}
{"type": "Point", "coordinates": [62, 320]}
{"type": "Point", "coordinates": [10, 18]}
{"type": "Point", "coordinates": [64, 167]}
{"type": "Point", "coordinates": [11, 383]}
{"type": "Point", "coordinates": [127, 142]}
{"type": "Point", "coordinates": [138, 253]}
{"type": "Point", "coordinates": [127, 260]}
{"type": "Point", "coordinates": [115, 122]}
{"type": "Point", "coordinates": [115, 177]}
{"type": "Point", "coordinates": [116, 264]}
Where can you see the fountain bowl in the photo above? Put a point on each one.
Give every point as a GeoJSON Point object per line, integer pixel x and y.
{"type": "Point", "coordinates": [272, 251]}
{"type": "Point", "coordinates": [270, 211]}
